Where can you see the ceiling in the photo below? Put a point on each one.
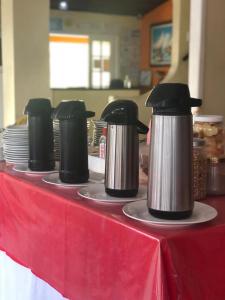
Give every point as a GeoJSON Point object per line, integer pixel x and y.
{"type": "Point", "coordinates": [119, 7]}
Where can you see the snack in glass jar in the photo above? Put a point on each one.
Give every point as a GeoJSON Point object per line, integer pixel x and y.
{"type": "Point", "coordinates": [216, 176]}
{"type": "Point", "coordinates": [143, 164]}
{"type": "Point", "coordinates": [210, 128]}
{"type": "Point", "coordinates": [199, 169]}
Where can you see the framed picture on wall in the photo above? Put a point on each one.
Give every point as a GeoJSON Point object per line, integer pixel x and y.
{"type": "Point", "coordinates": [161, 44]}
{"type": "Point", "coordinates": [145, 78]}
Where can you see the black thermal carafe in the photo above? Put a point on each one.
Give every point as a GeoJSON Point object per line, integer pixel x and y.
{"type": "Point", "coordinates": [72, 116]}
{"type": "Point", "coordinates": [122, 148]}
{"type": "Point", "coordinates": [41, 146]}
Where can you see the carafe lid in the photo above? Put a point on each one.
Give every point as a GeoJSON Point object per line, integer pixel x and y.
{"type": "Point", "coordinates": [172, 99]}
{"type": "Point", "coordinates": [38, 106]}
{"type": "Point", "coordinates": [71, 109]}
{"type": "Point", "coordinates": [123, 112]}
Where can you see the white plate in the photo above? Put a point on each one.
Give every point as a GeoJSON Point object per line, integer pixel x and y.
{"type": "Point", "coordinates": [23, 161]}
{"type": "Point", "coordinates": [15, 162]}
{"type": "Point", "coordinates": [17, 127]}
{"type": "Point", "coordinates": [54, 179]}
{"type": "Point", "coordinates": [96, 192]}
{"type": "Point", "coordinates": [11, 135]}
{"type": "Point", "coordinates": [25, 158]}
{"type": "Point", "coordinates": [16, 154]}
{"type": "Point", "coordinates": [15, 134]}
{"type": "Point", "coordinates": [15, 131]}
{"type": "Point", "coordinates": [19, 144]}
{"type": "Point", "coordinates": [23, 168]}
{"type": "Point", "coordinates": [16, 150]}
{"type": "Point", "coordinates": [139, 211]}
{"type": "Point", "coordinates": [16, 140]}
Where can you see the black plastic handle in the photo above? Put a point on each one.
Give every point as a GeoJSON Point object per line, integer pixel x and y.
{"type": "Point", "coordinates": [196, 102]}
{"type": "Point", "coordinates": [141, 128]}
{"type": "Point", "coordinates": [90, 114]}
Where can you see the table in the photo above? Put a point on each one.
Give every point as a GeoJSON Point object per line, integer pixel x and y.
{"type": "Point", "coordinates": [91, 251]}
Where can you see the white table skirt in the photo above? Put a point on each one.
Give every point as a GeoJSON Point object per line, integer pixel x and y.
{"type": "Point", "coordinates": [19, 283]}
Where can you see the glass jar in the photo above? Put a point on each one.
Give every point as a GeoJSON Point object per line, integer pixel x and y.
{"type": "Point", "coordinates": [216, 176]}
{"type": "Point", "coordinates": [210, 128]}
{"type": "Point", "coordinates": [199, 169]}
{"type": "Point", "coordinates": [102, 143]}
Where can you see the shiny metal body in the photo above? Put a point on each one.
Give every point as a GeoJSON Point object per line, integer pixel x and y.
{"type": "Point", "coordinates": [122, 157]}
{"type": "Point", "coordinates": [170, 164]}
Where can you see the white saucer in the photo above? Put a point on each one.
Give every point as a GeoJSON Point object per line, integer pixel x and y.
{"type": "Point", "coordinates": [54, 179]}
{"type": "Point", "coordinates": [96, 192]}
{"type": "Point", "coordinates": [16, 161]}
{"type": "Point", "coordinates": [17, 127]}
{"type": "Point", "coordinates": [139, 211]}
{"type": "Point", "coordinates": [23, 168]}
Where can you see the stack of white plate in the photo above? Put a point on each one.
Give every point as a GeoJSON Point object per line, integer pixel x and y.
{"type": "Point", "coordinates": [56, 133]}
{"type": "Point", "coordinates": [1, 144]}
{"type": "Point", "coordinates": [97, 131]}
{"type": "Point", "coordinates": [16, 144]}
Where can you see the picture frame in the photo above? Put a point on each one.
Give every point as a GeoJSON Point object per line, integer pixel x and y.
{"type": "Point", "coordinates": [145, 78]}
{"type": "Point", "coordinates": [160, 44]}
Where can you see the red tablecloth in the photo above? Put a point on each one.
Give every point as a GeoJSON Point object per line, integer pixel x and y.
{"type": "Point", "coordinates": [91, 251]}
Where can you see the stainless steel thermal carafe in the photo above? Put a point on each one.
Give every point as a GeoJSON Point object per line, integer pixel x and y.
{"type": "Point", "coordinates": [122, 148]}
{"type": "Point", "coordinates": [170, 165]}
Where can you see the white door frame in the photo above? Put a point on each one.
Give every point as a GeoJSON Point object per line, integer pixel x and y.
{"type": "Point", "coordinates": [196, 47]}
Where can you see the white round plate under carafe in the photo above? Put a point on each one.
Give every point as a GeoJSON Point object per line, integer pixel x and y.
{"type": "Point", "coordinates": [96, 192]}
{"type": "Point", "coordinates": [139, 212]}
{"type": "Point", "coordinates": [55, 180]}
{"type": "Point", "coordinates": [23, 168]}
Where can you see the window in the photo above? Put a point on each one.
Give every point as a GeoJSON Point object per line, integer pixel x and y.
{"type": "Point", "coordinates": [69, 61]}
{"type": "Point", "coordinates": [101, 54]}
{"type": "Point", "coordinates": [80, 62]}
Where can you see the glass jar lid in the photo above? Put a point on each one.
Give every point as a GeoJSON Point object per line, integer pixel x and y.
{"type": "Point", "coordinates": [208, 118]}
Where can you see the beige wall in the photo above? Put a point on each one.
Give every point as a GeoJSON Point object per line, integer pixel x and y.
{"type": "Point", "coordinates": [25, 54]}
{"type": "Point", "coordinates": [179, 69]}
{"type": "Point", "coordinates": [214, 60]}
{"type": "Point", "coordinates": [8, 105]}
{"type": "Point", "coordinates": [196, 48]}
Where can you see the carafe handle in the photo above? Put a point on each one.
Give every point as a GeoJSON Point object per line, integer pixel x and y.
{"type": "Point", "coordinates": [141, 128]}
{"type": "Point", "coordinates": [90, 114]}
